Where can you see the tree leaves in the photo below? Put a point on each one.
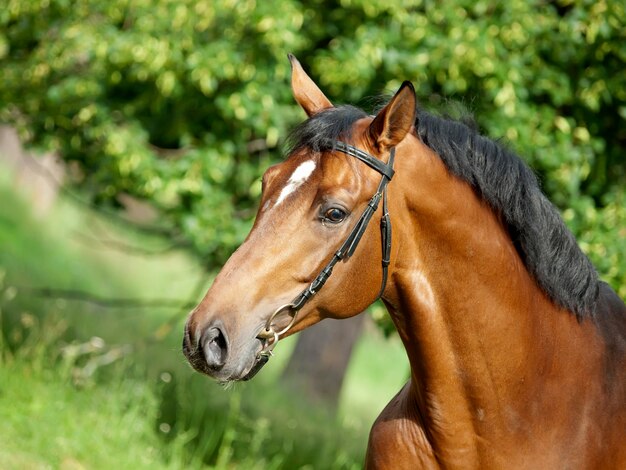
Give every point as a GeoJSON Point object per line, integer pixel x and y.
{"type": "Point", "coordinates": [183, 102]}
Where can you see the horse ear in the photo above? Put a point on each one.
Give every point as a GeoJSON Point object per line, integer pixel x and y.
{"type": "Point", "coordinates": [395, 120]}
{"type": "Point", "coordinates": [305, 91]}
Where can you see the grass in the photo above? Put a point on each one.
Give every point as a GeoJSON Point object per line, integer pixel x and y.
{"type": "Point", "coordinates": [370, 381]}
{"type": "Point", "coordinates": [82, 386]}
{"type": "Point", "coordinates": [46, 423]}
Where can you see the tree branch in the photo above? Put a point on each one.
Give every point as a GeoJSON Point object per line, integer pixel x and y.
{"type": "Point", "coordinates": [127, 248]}
{"type": "Point", "coordinates": [118, 302]}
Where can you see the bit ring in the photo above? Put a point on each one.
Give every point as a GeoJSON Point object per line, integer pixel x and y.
{"type": "Point", "coordinates": [294, 313]}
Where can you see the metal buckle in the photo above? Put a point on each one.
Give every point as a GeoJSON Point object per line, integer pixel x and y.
{"type": "Point", "coordinates": [269, 347]}
{"type": "Point", "coordinates": [271, 336]}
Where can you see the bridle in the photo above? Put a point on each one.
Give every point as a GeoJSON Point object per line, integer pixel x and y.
{"type": "Point", "coordinates": [269, 334]}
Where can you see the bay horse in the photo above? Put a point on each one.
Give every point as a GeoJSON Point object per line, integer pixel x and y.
{"type": "Point", "coordinates": [517, 350]}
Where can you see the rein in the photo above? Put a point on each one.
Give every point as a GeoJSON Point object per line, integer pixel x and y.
{"type": "Point", "coordinates": [269, 334]}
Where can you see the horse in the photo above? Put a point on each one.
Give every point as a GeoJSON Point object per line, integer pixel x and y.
{"type": "Point", "coordinates": [517, 350]}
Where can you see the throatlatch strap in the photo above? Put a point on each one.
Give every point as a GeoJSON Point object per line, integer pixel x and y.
{"type": "Point", "coordinates": [385, 233]}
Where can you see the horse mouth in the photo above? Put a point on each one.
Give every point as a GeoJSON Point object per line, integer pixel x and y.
{"type": "Point", "coordinates": [242, 366]}
{"type": "Point", "coordinates": [196, 359]}
{"type": "Point", "coordinates": [261, 357]}
{"type": "Point", "coordinates": [260, 361]}
{"type": "Point", "coordinates": [249, 372]}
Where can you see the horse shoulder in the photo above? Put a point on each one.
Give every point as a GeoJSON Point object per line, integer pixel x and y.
{"type": "Point", "coordinates": [397, 439]}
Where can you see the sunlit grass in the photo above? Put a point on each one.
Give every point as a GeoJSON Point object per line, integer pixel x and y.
{"type": "Point", "coordinates": [49, 418]}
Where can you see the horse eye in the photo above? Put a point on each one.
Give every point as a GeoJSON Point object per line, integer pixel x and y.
{"type": "Point", "coordinates": [334, 215]}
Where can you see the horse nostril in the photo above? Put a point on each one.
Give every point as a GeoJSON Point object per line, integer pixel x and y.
{"type": "Point", "coordinates": [215, 348]}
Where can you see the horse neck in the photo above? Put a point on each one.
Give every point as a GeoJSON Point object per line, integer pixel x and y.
{"type": "Point", "coordinates": [475, 325]}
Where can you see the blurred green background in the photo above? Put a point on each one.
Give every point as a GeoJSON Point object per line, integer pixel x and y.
{"type": "Point", "coordinates": [164, 115]}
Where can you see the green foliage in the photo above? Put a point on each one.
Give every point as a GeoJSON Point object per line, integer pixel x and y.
{"type": "Point", "coordinates": [47, 408]}
{"type": "Point", "coordinates": [49, 423]}
{"type": "Point", "coordinates": [183, 102]}
{"type": "Point", "coordinates": [259, 427]}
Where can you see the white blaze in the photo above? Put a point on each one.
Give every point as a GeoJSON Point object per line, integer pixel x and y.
{"type": "Point", "coordinates": [298, 177]}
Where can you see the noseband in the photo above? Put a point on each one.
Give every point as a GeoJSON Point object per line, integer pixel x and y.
{"type": "Point", "coordinates": [269, 334]}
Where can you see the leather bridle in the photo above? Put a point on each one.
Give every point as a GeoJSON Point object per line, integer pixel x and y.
{"type": "Point", "coordinates": [269, 334]}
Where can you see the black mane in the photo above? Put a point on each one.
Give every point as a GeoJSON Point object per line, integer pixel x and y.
{"type": "Point", "coordinates": [546, 246]}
